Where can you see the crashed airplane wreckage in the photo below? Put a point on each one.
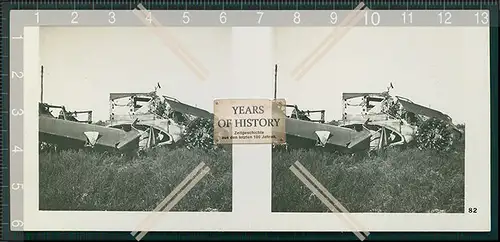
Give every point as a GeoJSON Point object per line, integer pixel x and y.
{"type": "Point", "coordinates": [161, 120]}
{"type": "Point", "coordinates": [304, 132]}
{"type": "Point", "coordinates": [370, 121]}
{"type": "Point", "coordinates": [138, 121]}
{"type": "Point", "coordinates": [70, 134]}
{"type": "Point", "coordinates": [392, 120]}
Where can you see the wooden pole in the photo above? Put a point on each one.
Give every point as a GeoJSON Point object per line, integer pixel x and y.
{"type": "Point", "coordinates": [41, 93]}
{"type": "Point", "coordinates": [275, 80]}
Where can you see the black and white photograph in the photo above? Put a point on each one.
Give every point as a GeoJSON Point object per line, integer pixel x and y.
{"type": "Point", "coordinates": [126, 119]}
{"type": "Point", "coordinates": [376, 117]}
{"type": "Point", "coordinates": [386, 126]}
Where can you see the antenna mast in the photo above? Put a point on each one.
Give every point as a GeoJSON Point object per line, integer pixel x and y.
{"type": "Point", "coordinates": [41, 93]}
{"type": "Point", "coordinates": [275, 80]}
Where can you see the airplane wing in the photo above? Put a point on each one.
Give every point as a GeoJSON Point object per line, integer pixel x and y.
{"type": "Point", "coordinates": [73, 134]}
{"type": "Point", "coordinates": [326, 135]}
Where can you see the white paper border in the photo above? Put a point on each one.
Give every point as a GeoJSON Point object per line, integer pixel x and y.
{"type": "Point", "coordinates": [477, 178]}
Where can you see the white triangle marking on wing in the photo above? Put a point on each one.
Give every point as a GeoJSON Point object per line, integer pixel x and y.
{"type": "Point", "coordinates": [323, 137]}
{"type": "Point", "coordinates": [92, 137]}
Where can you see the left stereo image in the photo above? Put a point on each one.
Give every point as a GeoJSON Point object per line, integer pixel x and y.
{"type": "Point", "coordinates": [126, 119]}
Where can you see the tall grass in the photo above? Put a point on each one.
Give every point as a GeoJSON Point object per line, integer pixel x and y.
{"type": "Point", "coordinates": [82, 180]}
{"type": "Point", "coordinates": [393, 181]}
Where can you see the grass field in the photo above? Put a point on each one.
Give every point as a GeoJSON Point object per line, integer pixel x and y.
{"type": "Point", "coordinates": [393, 181]}
{"type": "Point", "coordinates": [409, 180]}
{"type": "Point", "coordinates": [82, 180]}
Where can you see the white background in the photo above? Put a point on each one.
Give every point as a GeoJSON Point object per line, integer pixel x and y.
{"type": "Point", "coordinates": [247, 53]}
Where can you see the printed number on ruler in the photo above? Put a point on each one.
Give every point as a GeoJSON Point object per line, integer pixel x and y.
{"type": "Point", "coordinates": [17, 75]}
{"type": "Point", "coordinates": [482, 17]}
{"type": "Point", "coordinates": [185, 18]}
{"type": "Point", "coordinates": [17, 111]}
{"type": "Point", "coordinates": [74, 17]}
{"type": "Point", "coordinates": [222, 17]}
{"type": "Point", "coordinates": [17, 223]}
{"type": "Point", "coordinates": [17, 186]}
{"type": "Point", "coordinates": [372, 18]}
{"type": "Point", "coordinates": [17, 149]}
{"type": "Point", "coordinates": [112, 17]}
{"type": "Point", "coordinates": [333, 18]}
{"type": "Point", "coordinates": [37, 14]}
{"type": "Point", "coordinates": [260, 16]}
{"type": "Point", "coordinates": [296, 18]}
{"type": "Point", "coordinates": [407, 17]}
{"type": "Point", "coordinates": [444, 18]}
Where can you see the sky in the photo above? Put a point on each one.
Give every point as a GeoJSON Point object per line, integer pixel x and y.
{"type": "Point", "coordinates": [83, 65]}
{"type": "Point", "coordinates": [429, 65]}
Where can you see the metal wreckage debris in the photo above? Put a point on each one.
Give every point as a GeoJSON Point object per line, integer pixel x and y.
{"type": "Point", "coordinates": [395, 120]}
{"type": "Point", "coordinates": [68, 133]}
{"type": "Point", "coordinates": [370, 121]}
{"type": "Point", "coordinates": [161, 120]}
{"type": "Point", "coordinates": [304, 132]}
{"type": "Point", "coordinates": [138, 121]}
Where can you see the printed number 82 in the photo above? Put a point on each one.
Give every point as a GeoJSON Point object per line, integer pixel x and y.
{"type": "Point", "coordinates": [472, 210]}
